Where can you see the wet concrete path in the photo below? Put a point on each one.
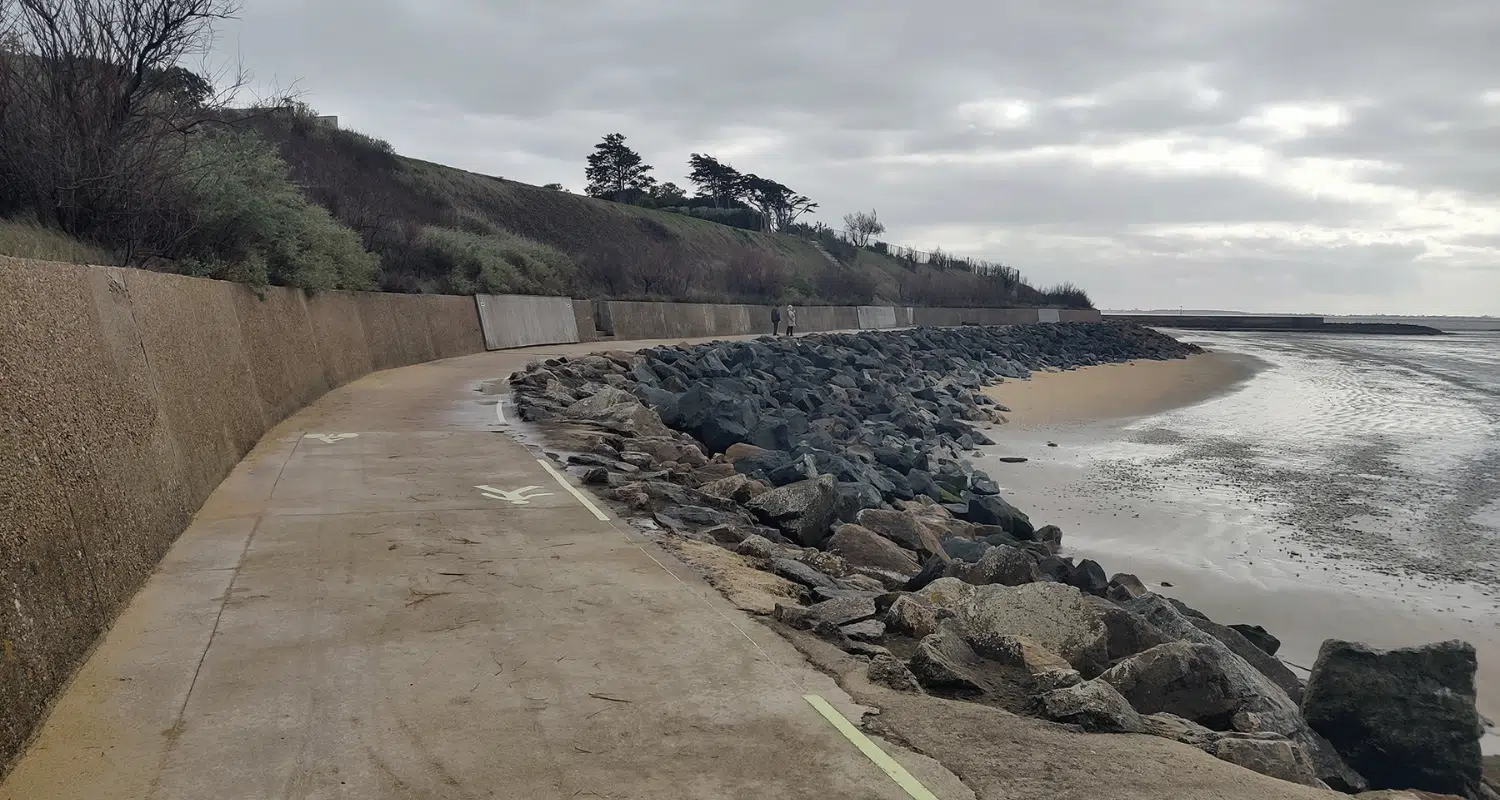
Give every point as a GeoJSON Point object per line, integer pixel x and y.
{"type": "Point", "coordinates": [391, 598]}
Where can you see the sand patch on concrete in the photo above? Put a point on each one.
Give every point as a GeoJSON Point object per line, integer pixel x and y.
{"type": "Point", "coordinates": [1115, 391]}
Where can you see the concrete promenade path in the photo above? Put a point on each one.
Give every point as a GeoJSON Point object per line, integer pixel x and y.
{"type": "Point", "coordinates": [392, 598]}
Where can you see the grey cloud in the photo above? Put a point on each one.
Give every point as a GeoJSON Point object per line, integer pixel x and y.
{"type": "Point", "coordinates": [524, 88]}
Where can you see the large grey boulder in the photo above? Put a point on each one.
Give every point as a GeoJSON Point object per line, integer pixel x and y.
{"type": "Point", "coordinates": [801, 510]}
{"type": "Point", "coordinates": [911, 617]}
{"type": "Point", "coordinates": [1007, 566]}
{"type": "Point", "coordinates": [1279, 758]}
{"type": "Point", "coordinates": [1093, 705]}
{"type": "Point", "coordinates": [1050, 614]}
{"type": "Point", "coordinates": [1404, 718]}
{"type": "Point", "coordinates": [944, 661]}
{"type": "Point", "coordinates": [619, 411]}
{"type": "Point", "coordinates": [1129, 633]}
{"type": "Point", "coordinates": [1264, 706]}
{"type": "Point", "coordinates": [991, 509]}
{"type": "Point", "coordinates": [862, 547]}
{"type": "Point", "coordinates": [1184, 679]}
{"type": "Point", "coordinates": [1265, 663]}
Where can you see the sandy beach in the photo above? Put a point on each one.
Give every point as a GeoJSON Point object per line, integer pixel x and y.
{"type": "Point", "coordinates": [1115, 391]}
{"type": "Point", "coordinates": [1227, 480]}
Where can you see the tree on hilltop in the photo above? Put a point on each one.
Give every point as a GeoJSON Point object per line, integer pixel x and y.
{"type": "Point", "coordinates": [616, 172]}
{"type": "Point", "coordinates": [715, 180]}
{"type": "Point", "coordinates": [778, 205]}
{"type": "Point", "coordinates": [861, 227]}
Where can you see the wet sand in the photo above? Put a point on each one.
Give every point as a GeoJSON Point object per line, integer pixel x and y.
{"type": "Point", "coordinates": [1114, 391]}
{"type": "Point", "coordinates": [1225, 533]}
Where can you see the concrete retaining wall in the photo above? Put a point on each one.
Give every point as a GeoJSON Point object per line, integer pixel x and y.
{"type": "Point", "coordinates": [640, 320]}
{"type": "Point", "coordinates": [513, 320]}
{"type": "Point", "coordinates": [875, 317]}
{"type": "Point", "coordinates": [125, 398]}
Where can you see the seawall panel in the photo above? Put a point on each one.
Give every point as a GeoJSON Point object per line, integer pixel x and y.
{"type": "Point", "coordinates": [511, 320]}
{"type": "Point", "coordinates": [125, 397]}
{"type": "Point", "coordinates": [876, 317]}
{"type": "Point", "coordinates": [281, 347]}
{"type": "Point", "coordinates": [343, 344]}
{"type": "Point", "coordinates": [583, 317]}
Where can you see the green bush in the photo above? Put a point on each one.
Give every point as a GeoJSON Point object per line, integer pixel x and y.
{"type": "Point", "coordinates": [252, 225]}
{"type": "Point", "coordinates": [501, 263]}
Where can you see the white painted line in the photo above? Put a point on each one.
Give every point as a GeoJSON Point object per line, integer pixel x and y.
{"type": "Point", "coordinates": [500, 410]}
{"type": "Point", "coordinates": [563, 482]}
{"type": "Point", "coordinates": [871, 750]}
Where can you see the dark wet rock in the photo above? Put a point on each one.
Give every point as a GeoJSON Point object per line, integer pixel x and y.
{"type": "Point", "coordinates": [862, 547]}
{"type": "Point", "coordinates": [1259, 637]}
{"type": "Point", "coordinates": [964, 549]}
{"type": "Point", "coordinates": [1264, 706]}
{"type": "Point", "coordinates": [1278, 758]}
{"type": "Point", "coordinates": [1266, 664]}
{"type": "Point", "coordinates": [891, 673]}
{"type": "Point", "coordinates": [1124, 587]}
{"type": "Point", "coordinates": [595, 476]}
{"type": "Point", "coordinates": [1129, 632]}
{"type": "Point", "coordinates": [1052, 615]}
{"type": "Point", "coordinates": [1051, 537]}
{"type": "Point", "coordinates": [1404, 718]}
{"type": "Point", "coordinates": [798, 572]}
{"type": "Point", "coordinates": [1094, 706]}
{"type": "Point", "coordinates": [1088, 577]}
{"type": "Point", "coordinates": [994, 510]}
{"type": "Point", "coordinates": [852, 498]}
{"type": "Point", "coordinates": [802, 510]}
{"type": "Point", "coordinates": [737, 452]}
{"type": "Point", "coordinates": [844, 610]}
{"type": "Point", "coordinates": [1008, 566]}
{"type": "Point", "coordinates": [1052, 568]}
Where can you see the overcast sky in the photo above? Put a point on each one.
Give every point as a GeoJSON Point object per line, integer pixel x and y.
{"type": "Point", "coordinates": [1272, 155]}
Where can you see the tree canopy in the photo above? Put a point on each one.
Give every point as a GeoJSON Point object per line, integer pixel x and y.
{"type": "Point", "coordinates": [616, 172]}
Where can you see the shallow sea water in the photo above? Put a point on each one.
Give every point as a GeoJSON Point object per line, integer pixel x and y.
{"type": "Point", "coordinates": [1350, 489]}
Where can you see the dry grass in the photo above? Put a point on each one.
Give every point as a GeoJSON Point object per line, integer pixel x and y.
{"type": "Point", "coordinates": [29, 239]}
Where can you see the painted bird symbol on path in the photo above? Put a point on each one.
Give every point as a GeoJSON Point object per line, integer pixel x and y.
{"type": "Point", "coordinates": [518, 497]}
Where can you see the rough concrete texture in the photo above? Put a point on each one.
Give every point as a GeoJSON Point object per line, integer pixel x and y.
{"type": "Point", "coordinates": [126, 397]}
{"type": "Point", "coordinates": [512, 320]}
{"type": "Point", "coordinates": [583, 315]}
{"type": "Point", "coordinates": [353, 618]}
{"type": "Point", "coordinates": [875, 317]}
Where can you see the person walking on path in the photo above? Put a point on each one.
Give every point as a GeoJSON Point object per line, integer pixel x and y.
{"type": "Point", "coordinates": [775, 320]}
{"type": "Point", "coordinates": [791, 320]}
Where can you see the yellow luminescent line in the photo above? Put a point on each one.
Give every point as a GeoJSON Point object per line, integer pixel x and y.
{"type": "Point", "coordinates": [871, 750]}
{"type": "Point", "coordinates": [573, 491]}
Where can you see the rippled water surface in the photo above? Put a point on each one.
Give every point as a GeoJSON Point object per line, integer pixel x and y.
{"type": "Point", "coordinates": [1350, 489]}
{"type": "Point", "coordinates": [1384, 450]}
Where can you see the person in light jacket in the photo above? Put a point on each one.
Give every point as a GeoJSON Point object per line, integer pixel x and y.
{"type": "Point", "coordinates": [791, 320]}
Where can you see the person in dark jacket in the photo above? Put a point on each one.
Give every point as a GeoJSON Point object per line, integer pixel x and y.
{"type": "Point", "coordinates": [775, 320]}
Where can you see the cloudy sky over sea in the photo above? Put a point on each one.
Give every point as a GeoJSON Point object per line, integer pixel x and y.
{"type": "Point", "coordinates": [1291, 155]}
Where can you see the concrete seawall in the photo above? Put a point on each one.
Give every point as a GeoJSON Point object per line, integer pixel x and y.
{"type": "Point", "coordinates": [126, 396]}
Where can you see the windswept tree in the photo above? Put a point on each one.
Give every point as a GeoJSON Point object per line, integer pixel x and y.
{"type": "Point", "coordinates": [715, 180]}
{"type": "Point", "coordinates": [778, 205]}
{"type": "Point", "coordinates": [861, 227]}
{"type": "Point", "coordinates": [616, 172]}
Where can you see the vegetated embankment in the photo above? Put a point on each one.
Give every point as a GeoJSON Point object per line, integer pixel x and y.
{"type": "Point", "coordinates": [834, 468]}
